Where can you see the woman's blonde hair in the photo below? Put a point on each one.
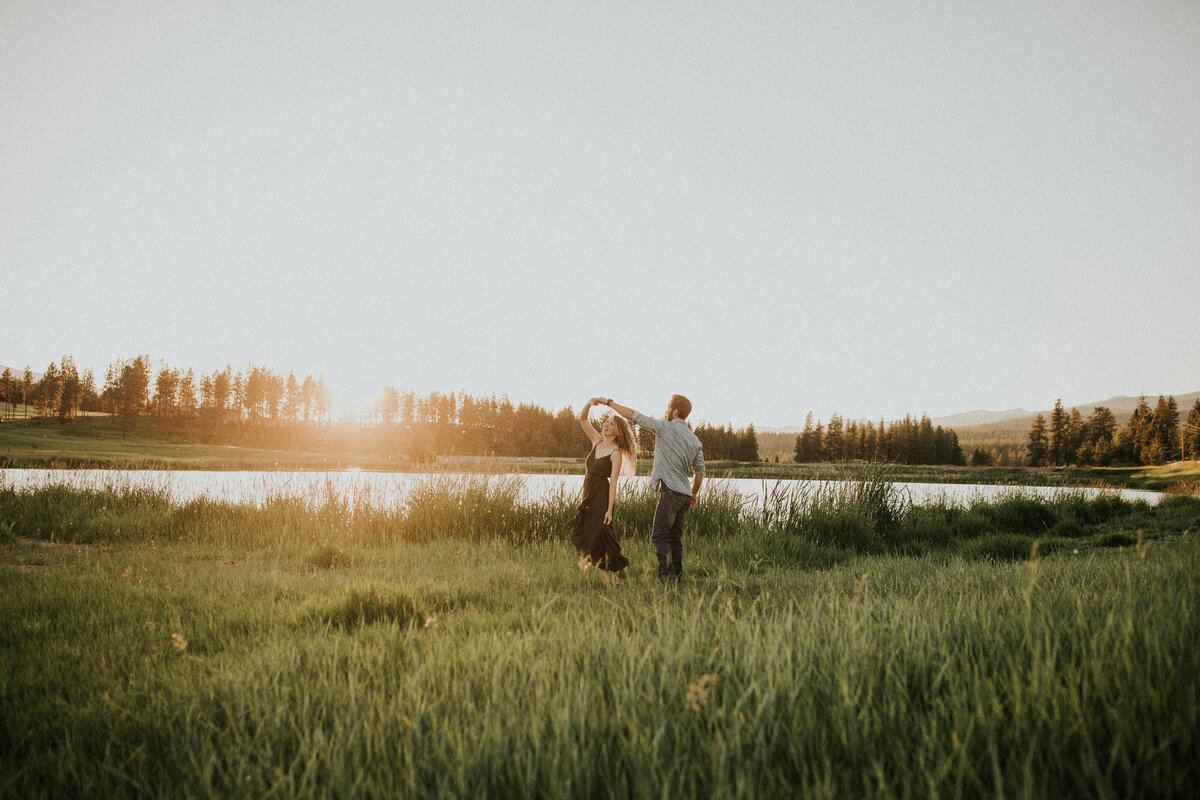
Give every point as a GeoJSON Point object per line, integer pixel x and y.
{"type": "Point", "coordinates": [626, 443]}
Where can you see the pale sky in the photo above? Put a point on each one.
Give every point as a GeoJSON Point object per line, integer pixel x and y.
{"type": "Point", "coordinates": [871, 209]}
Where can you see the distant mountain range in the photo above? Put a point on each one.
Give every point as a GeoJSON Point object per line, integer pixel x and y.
{"type": "Point", "coordinates": [981, 417]}
{"type": "Point", "coordinates": [19, 372]}
{"type": "Point", "coordinates": [1121, 406]}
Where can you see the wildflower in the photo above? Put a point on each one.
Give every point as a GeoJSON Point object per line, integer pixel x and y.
{"type": "Point", "coordinates": [431, 621]}
{"type": "Point", "coordinates": [178, 642]}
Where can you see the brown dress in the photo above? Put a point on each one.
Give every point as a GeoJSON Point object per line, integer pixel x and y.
{"type": "Point", "coordinates": [592, 538]}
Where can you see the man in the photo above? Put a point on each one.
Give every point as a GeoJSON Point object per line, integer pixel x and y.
{"type": "Point", "coordinates": [677, 452]}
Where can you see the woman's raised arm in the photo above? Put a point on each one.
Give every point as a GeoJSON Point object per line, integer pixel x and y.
{"type": "Point", "coordinates": [585, 422]}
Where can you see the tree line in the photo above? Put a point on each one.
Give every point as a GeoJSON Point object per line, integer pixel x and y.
{"type": "Point", "coordinates": [261, 406]}
{"type": "Point", "coordinates": [1152, 436]}
{"type": "Point", "coordinates": [906, 441]}
{"type": "Point", "coordinates": [247, 405]}
{"type": "Point", "coordinates": [465, 424]}
{"type": "Point", "coordinates": [725, 443]}
{"type": "Point", "coordinates": [132, 388]}
{"type": "Point", "coordinates": [61, 391]}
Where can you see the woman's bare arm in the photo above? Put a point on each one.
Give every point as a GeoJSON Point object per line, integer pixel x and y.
{"type": "Point", "coordinates": [586, 423]}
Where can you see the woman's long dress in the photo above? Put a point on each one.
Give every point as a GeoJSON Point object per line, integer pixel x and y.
{"type": "Point", "coordinates": [592, 538]}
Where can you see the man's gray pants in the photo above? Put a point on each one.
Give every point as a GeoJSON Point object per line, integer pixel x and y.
{"type": "Point", "coordinates": [667, 536]}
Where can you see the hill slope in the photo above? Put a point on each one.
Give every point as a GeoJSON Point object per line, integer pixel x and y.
{"type": "Point", "coordinates": [1015, 430]}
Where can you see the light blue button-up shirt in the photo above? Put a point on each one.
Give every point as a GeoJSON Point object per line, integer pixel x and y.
{"type": "Point", "coordinates": [677, 453]}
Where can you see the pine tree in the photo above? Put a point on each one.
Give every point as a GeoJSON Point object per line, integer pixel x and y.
{"type": "Point", "coordinates": [957, 457]}
{"type": "Point", "coordinates": [324, 399]}
{"type": "Point", "coordinates": [1191, 434]}
{"type": "Point", "coordinates": [1058, 434]}
{"type": "Point", "coordinates": [45, 397]}
{"type": "Point", "coordinates": [237, 395]}
{"type": "Point", "coordinates": [1038, 446]}
{"type": "Point", "coordinates": [7, 391]}
{"type": "Point", "coordinates": [1100, 431]}
{"type": "Point", "coordinates": [166, 387]}
{"type": "Point", "coordinates": [409, 410]}
{"type": "Point", "coordinates": [1075, 435]}
{"type": "Point", "coordinates": [273, 390]}
{"type": "Point", "coordinates": [70, 390]}
{"type": "Point", "coordinates": [1140, 430]}
{"type": "Point", "coordinates": [832, 448]}
{"type": "Point", "coordinates": [1174, 441]}
{"type": "Point", "coordinates": [222, 390]}
{"type": "Point", "coordinates": [389, 405]}
{"type": "Point", "coordinates": [808, 444]}
{"type": "Point", "coordinates": [1164, 425]}
{"type": "Point", "coordinates": [749, 445]}
{"type": "Point", "coordinates": [90, 400]}
{"type": "Point", "coordinates": [926, 450]}
{"type": "Point", "coordinates": [292, 404]}
{"type": "Point", "coordinates": [187, 393]}
{"type": "Point", "coordinates": [131, 392]}
{"type": "Point", "coordinates": [26, 390]}
{"type": "Point", "coordinates": [308, 397]}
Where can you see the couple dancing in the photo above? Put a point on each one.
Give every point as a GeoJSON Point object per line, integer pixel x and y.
{"type": "Point", "coordinates": [677, 452]}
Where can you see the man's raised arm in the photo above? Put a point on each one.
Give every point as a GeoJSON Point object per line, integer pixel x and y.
{"type": "Point", "coordinates": [624, 411]}
{"type": "Point", "coordinates": [627, 412]}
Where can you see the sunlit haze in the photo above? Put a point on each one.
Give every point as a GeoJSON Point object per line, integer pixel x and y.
{"type": "Point", "coordinates": [771, 207]}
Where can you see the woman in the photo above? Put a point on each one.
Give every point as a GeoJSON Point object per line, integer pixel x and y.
{"type": "Point", "coordinates": [613, 453]}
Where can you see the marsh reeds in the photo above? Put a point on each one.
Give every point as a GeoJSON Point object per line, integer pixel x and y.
{"type": "Point", "coordinates": [868, 516]}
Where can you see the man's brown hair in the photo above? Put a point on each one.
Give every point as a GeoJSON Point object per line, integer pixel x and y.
{"type": "Point", "coordinates": [681, 404]}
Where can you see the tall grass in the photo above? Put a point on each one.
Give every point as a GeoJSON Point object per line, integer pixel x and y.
{"type": "Point", "coordinates": [444, 645]}
{"type": "Point", "coordinates": [858, 515]}
{"type": "Point", "coordinates": [874, 515]}
{"type": "Point", "coordinates": [131, 671]}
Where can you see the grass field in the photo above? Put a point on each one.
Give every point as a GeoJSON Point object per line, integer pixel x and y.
{"type": "Point", "coordinates": [833, 643]}
{"type": "Point", "coordinates": [47, 444]}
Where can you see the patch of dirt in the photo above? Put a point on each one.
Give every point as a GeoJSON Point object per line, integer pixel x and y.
{"type": "Point", "coordinates": [54, 545]}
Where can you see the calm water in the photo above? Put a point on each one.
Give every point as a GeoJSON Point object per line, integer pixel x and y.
{"type": "Point", "coordinates": [389, 488]}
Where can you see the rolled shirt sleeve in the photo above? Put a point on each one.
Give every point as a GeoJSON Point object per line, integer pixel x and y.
{"type": "Point", "coordinates": [642, 421]}
{"type": "Point", "coordinates": [698, 462]}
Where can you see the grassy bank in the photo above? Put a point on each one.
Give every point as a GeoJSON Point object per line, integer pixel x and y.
{"type": "Point", "coordinates": [39, 443]}
{"type": "Point", "coordinates": [1182, 475]}
{"type": "Point", "coordinates": [452, 648]}
{"type": "Point", "coordinates": [98, 444]}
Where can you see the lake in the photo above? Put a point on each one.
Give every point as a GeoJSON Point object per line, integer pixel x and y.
{"type": "Point", "coordinates": [386, 489]}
